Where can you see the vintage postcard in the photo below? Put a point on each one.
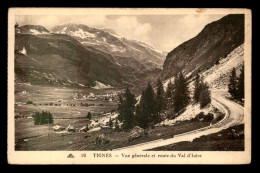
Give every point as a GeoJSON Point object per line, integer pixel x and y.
{"type": "Point", "coordinates": [129, 86]}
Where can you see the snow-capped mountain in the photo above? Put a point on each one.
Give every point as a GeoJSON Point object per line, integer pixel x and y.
{"type": "Point", "coordinates": [45, 57]}
{"type": "Point", "coordinates": [59, 59]}
{"type": "Point", "coordinates": [107, 41]}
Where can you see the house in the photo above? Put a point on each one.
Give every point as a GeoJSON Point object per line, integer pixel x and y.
{"type": "Point", "coordinates": [84, 129]}
{"type": "Point", "coordinates": [91, 96]}
{"type": "Point", "coordinates": [60, 100]}
{"type": "Point", "coordinates": [70, 129]}
{"type": "Point", "coordinates": [58, 128]}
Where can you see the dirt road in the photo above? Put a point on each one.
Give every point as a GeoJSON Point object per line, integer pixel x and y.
{"type": "Point", "coordinates": [234, 115]}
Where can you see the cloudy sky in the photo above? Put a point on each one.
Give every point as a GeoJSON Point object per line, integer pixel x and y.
{"type": "Point", "coordinates": [164, 32]}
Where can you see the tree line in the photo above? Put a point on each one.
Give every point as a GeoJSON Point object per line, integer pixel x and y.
{"type": "Point", "coordinates": [43, 118]}
{"type": "Point", "coordinates": [154, 103]}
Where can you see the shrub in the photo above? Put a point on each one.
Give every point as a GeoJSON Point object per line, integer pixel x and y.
{"type": "Point", "coordinates": [98, 140]}
{"type": "Point", "coordinates": [208, 117]}
{"type": "Point", "coordinates": [89, 116]}
{"type": "Point", "coordinates": [199, 116]}
{"type": "Point", "coordinates": [220, 117]}
{"type": "Point", "coordinates": [101, 140]}
{"type": "Point", "coordinates": [110, 123]}
{"type": "Point", "coordinates": [117, 128]}
{"type": "Point", "coordinates": [29, 103]}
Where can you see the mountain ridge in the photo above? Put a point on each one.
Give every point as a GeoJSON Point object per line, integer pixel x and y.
{"type": "Point", "coordinates": [215, 41]}
{"type": "Point", "coordinates": [112, 44]}
{"type": "Point", "coordinates": [59, 59]}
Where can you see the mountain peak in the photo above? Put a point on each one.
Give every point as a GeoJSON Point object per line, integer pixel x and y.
{"type": "Point", "coordinates": [33, 29]}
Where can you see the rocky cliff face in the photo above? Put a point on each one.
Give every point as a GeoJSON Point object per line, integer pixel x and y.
{"type": "Point", "coordinates": [214, 42]}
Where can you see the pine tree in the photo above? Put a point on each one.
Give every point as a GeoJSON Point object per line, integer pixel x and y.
{"type": "Point", "coordinates": [50, 118]}
{"type": "Point", "coordinates": [241, 84]}
{"type": "Point", "coordinates": [197, 88]}
{"type": "Point", "coordinates": [110, 123]}
{"type": "Point", "coordinates": [116, 125]}
{"type": "Point", "coordinates": [37, 118]}
{"type": "Point", "coordinates": [127, 108]}
{"type": "Point", "coordinates": [169, 89]}
{"type": "Point", "coordinates": [149, 99]}
{"type": "Point", "coordinates": [42, 117]}
{"type": "Point", "coordinates": [160, 97]}
{"type": "Point", "coordinates": [142, 116]}
{"type": "Point", "coordinates": [204, 97]}
{"type": "Point", "coordinates": [89, 116]}
{"type": "Point", "coordinates": [232, 86]}
{"type": "Point", "coordinates": [120, 108]}
{"type": "Point", "coordinates": [181, 95]}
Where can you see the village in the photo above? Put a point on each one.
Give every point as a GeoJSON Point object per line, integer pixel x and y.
{"type": "Point", "coordinates": [69, 108]}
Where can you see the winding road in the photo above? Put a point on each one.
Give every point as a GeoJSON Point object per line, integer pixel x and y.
{"type": "Point", "coordinates": [234, 115]}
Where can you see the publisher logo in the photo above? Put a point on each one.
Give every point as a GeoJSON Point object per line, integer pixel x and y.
{"type": "Point", "coordinates": [70, 156]}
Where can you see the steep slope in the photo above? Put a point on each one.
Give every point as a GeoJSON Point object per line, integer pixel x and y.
{"type": "Point", "coordinates": [215, 41]}
{"type": "Point", "coordinates": [106, 41]}
{"type": "Point", "coordinates": [136, 75]}
{"type": "Point", "coordinates": [59, 59]}
{"type": "Point", "coordinates": [217, 77]}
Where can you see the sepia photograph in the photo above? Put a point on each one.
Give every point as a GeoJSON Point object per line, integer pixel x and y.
{"type": "Point", "coordinates": [129, 86]}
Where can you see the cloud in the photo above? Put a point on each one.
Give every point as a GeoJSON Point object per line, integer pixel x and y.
{"type": "Point", "coordinates": [183, 29]}
{"type": "Point", "coordinates": [164, 32]}
{"type": "Point", "coordinates": [131, 28]}
{"type": "Point", "coordinates": [91, 20]}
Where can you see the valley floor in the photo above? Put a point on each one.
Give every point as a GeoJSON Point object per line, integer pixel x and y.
{"type": "Point", "coordinates": [30, 137]}
{"type": "Point", "coordinates": [87, 141]}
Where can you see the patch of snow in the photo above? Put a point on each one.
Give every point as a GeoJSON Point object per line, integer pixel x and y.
{"type": "Point", "coordinates": [187, 75]}
{"type": "Point", "coordinates": [61, 132]}
{"type": "Point", "coordinates": [118, 64]}
{"type": "Point", "coordinates": [190, 112]}
{"type": "Point", "coordinates": [36, 32]}
{"type": "Point", "coordinates": [63, 30]}
{"type": "Point", "coordinates": [82, 34]}
{"type": "Point", "coordinates": [95, 129]}
{"type": "Point", "coordinates": [138, 100]}
{"type": "Point", "coordinates": [117, 48]}
{"type": "Point", "coordinates": [23, 51]}
{"type": "Point", "coordinates": [81, 85]}
{"type": "Point", "coordinates": [135, 49]}
{"type": "Point", "coordinates": [70, 81]}
{"type": "Point", "coordinates": [100, 85]}
{"type": "Point", "coordinates": [165, 83]}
